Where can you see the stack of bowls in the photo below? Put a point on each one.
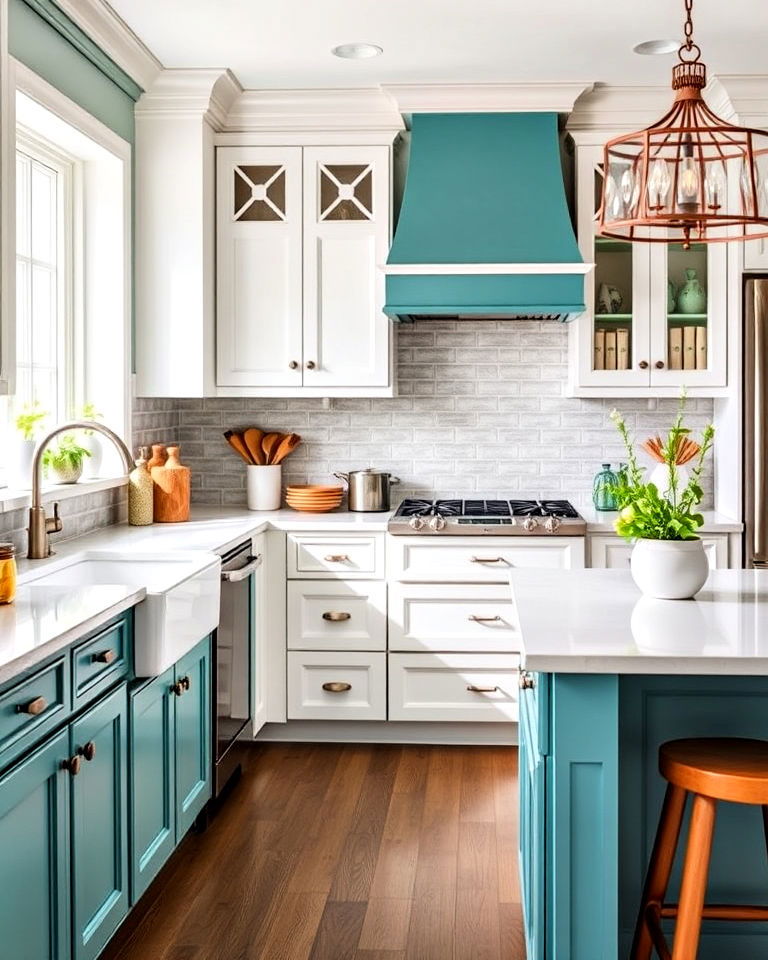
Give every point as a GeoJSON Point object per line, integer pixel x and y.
{"type": "Point", "coordinates": [310, 498]}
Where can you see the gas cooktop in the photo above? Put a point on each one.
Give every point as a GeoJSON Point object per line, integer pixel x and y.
{"type": "Point", "coordinates": [488, 517]}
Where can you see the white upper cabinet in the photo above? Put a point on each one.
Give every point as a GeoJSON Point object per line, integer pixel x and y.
{"type": "Point", "coordinates": [656, 317]}
{"type": "Point", "coordinates": [301, 235]}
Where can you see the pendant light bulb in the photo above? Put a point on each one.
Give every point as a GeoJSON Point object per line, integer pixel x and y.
{"type": "Point", "coordinates": [659, 183]}
{"type": "Point", "coordinates": [688, 183]}
{"type": "Point", "coordinates": [714, 186]}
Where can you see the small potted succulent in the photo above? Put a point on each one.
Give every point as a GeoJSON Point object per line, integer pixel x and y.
{"type": "Point", "coordinates": [91, 442]}
{"type": "Point", "coordinates": [668, 560]}
{"type": "Point", "coordinates": [66, 459]}
{"type": "Point", "coordinates": [29, 423]}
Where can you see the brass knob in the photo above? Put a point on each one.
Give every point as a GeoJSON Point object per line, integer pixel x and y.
{"type": "Point", "coordinates": [659, 364]}
{"type": "Point", "coordinates": [88, 752]}
{"type": "Point", "coordinates": [34, 707]}
{"type": "Point", "coordinates": [474, 688]}
{"type": "Point", "coordinates": [310, 364]}
{"type": "Point", "coordinates": [337, 558]}
{"type": "Point", "coordinates": [185, 682]}
{"type": "Point", "coordinates": [177, 688]}
{"type": "Point", "coordinates": [294, 364]}
{"type": "Point", "coordinates": [337, 687]}
{"type": "Point", "coordinates": [106, 656]}
{"type": "Point", "coordinates": [643, 364]}
{"type": "Point", "coordinates": [526, 680]}
{"type": "Point", "coordinates": [336, 616]}
{"type": "Point", "coordinates": [73, 765]}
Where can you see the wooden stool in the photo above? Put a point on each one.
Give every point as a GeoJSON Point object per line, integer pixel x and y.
{"type": "Point", "coordinates": [710, 770]}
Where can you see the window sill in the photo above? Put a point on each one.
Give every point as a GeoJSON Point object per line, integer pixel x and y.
{"type": "Point", "coordinates": [14, 499]}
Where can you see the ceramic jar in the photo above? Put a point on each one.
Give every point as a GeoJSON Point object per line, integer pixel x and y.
{"type": "Point", "coordinates": [692, 297]}
{"type": "Point", "coordinates": [669, 569]}
{"type": "Point", "coordinates": [140, 493]}
{"type": "Point", "coordinates": [264, 486]}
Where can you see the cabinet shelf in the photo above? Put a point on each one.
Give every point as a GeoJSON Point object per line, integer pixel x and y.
{"type": "Point", "coordinates": [682, 319]}
{"type": "Point", "coordinates": [606, 245]}
{"type": "Point", "coordinates": [623, 317]}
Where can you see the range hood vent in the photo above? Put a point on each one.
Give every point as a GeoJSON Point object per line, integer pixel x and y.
{"type": "Point", "coordinates": [484, 230]}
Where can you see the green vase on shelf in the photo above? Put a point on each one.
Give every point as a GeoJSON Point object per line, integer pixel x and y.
{"type": "Point", "coordinates": [671, 297]}
{"type": "Point", "coordinates": [692, 297]}
{"type": "Point", "coordinates": [604, 489]}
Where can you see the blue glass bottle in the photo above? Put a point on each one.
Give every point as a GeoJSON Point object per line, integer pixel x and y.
{"type": "Point", "coordinates": [604, 489]}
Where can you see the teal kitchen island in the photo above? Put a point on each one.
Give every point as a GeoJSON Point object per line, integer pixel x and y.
{"type": "Point", "coordinates": [607, 676]}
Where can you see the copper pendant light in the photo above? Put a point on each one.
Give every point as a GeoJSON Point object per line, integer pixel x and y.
{"type": "Point", "coordinates": [689, 178]}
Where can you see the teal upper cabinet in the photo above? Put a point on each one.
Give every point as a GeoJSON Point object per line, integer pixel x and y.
{"type": "Point", "coordinates": [193, 735]}
{"type": "Point", "coordinates": [99, 824]}
{"type": "Point", "coordinates": [152, 753]}
{"type": "Point", "coordinates": [34, 866]}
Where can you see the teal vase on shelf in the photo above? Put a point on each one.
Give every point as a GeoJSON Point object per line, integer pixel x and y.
{"type": "Point", "coordinates": [692, 297]}
{"type": "Point", "coordinates": [671, 297]}
{"type": "Point", "coordinates": [604, 489]}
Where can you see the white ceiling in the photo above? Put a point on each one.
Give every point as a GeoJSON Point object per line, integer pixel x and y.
{"type": "Point", "coordinates": [286, 43]}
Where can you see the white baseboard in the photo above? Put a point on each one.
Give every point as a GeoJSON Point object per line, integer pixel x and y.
{"type": "Point", "coordinates": [349, 731]}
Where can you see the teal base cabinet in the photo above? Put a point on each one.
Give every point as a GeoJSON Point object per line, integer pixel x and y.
{"type": "Point", "coordinates": [170, 761]}
{"type": "Point", "coordinates": [591, 795]}
{"type": "Point", "coordinates": [34, 863]}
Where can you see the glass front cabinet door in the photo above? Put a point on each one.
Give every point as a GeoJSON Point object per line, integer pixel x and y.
{"type": "Point", "coordinates": [656, 314]}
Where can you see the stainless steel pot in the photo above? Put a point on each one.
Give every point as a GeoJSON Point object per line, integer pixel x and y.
{"type": "Point", "coordinates": [368, 489]}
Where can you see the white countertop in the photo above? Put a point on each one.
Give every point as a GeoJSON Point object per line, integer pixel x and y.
{"type": "Point", "coordinates": [597, 621]}
{"type": "Point", "coordinates": [601, 521]}
{"type": "Point", "coordinates": [43, 620]}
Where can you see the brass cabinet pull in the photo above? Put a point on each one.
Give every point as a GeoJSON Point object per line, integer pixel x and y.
{"type": "Point", "coordinates": [106, 656]}
{"type": "Point", "coordinates": [477, 619]}
{"type": "Point", "coordinates": [88, 752]}
{"type": "Point", "coordinates": [659, 364]}
{"type": "Point", "coordinates": [526, 680]}
{"type": "Point", "coordinates": [336, 616]}
{"type": "Point", "coordinates": [34, 707]}
{"type": "Point", "coordinates": [337, 687]}
{"type": "Point", "coordinates": [643, 364]}
{"type": "Point", "coordinates": [337, 558]}
{"type": "Point", "coordinates": [294, 364]}
{"type": "Point", "coordinates": [185, 682]}
{"type": "Point", "coordinates": [310, 364]}
{"type": "Point", "coordinates": [476, 688]}
{"type": "Point", "coordinates": [487, 560]}
{"type": "Point", "coordinates": [73, 765]}
{"type": "Point", "coordinates": [177, 688]}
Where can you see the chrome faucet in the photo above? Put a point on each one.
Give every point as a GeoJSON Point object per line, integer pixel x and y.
{"type": "Point", "coordinates": [41, 526]}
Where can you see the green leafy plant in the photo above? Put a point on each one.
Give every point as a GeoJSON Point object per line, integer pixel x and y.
{"type": "Point", "coordinates": [67, 455]}
{"type": "Point", "coordinates": [645, 512]}
{"type": "Point", "coordinates": [88, 411]}
{"type": "Point", "coordinates": [29, 420]}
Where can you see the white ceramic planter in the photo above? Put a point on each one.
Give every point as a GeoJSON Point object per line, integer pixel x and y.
{"type": "Point", "coordinates": [92, 464]}
{"type": "Point", "coordinates": [264, 487]}
{"type": "Point", "coordinates": [669, 569]}
{"type": "Point", "coordinates": [20, 464]}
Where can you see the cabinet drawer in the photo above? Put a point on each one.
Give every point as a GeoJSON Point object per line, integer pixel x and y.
{"type": "Point", "coordinates": [101, 660]}
{"type": "Point", "coordinates": [32, 707]}
{"type": "Point", "coordinates": [329, 615]}
{"type": "Point", "coordinates": [354, 556]}
{"type": "Point", "coordinates": [613, 553]}
{"type": "Point", "coordinates": [477, 559]}
{"type": "Point", "coordinates": [362, 678]}
{"type": "Point", "coordinates": [423, 686]}
{"type": "Point", "coordinates": [473, 617]}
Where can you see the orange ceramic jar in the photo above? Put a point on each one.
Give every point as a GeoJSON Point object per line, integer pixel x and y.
{"type": "Point", "coordinates": [7, 573]}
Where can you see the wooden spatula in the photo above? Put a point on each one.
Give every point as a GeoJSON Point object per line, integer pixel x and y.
{"type": "Point", "coordinates": [253, 438]}
{"type": "Point", "coordinates": [270, 444]}
{"type": "Point", "coordinates": [286, 446]}
{"type": "Point", "coordinates": [236, 442]}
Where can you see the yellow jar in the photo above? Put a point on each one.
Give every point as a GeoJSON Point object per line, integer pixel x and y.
{"type": "Point", "coordinates": [7, 573]}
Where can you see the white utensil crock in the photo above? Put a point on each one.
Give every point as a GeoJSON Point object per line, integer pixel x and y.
{"type": "Point", "coordinates": [264, 487]}
{"type": "Point", "coordinates": [669, 569]}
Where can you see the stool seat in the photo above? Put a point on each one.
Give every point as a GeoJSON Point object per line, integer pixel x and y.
{"type": "Point", "coordinates": [724, 768]}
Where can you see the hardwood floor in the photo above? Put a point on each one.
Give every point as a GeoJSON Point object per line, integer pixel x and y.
{"type": "Point", "coordinates": [347, 852]}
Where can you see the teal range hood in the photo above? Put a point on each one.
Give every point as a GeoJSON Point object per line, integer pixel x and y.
{"type": "Point", "coordinates": [484, 230]}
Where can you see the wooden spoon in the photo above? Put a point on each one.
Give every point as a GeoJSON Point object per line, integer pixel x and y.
{"type": "Point", "coordinates": [253, 439]}
{"type": "Point", "coordinates": [270, 444]}
{"type": "Point", "coordinates": [287, 445]}
{"type": "Point", "coordinates": [236, 442]}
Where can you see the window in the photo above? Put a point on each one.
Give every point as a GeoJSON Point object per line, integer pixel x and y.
{"type": "Point", "coordinates": [45, 329]}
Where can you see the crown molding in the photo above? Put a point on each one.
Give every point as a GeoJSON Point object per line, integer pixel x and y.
{"type": "Point", "coordinates": [608, 110]}
{"type": "Point", "coordinates": [358, 109]}
{"type": "Point", "coordinates": [205, 93]}
{"type": "Point", "coordinates": [742, 97]}
{"type": "Point", "coordinates": [486, 97]}
{"type": "Point", "coordinates": [110, 32]}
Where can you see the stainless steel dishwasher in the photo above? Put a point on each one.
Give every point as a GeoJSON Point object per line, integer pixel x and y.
{"type": "Point", "coordinates": [233, 659]}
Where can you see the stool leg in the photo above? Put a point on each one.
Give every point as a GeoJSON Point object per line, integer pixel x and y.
{"type": "Point", "coordinates": [694, 885]}
{"type": "Point", "coordinates": [660, 867]}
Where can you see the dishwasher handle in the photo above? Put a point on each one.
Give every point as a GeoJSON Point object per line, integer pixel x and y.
{"type": "Point", "coordinates": [242, 573]}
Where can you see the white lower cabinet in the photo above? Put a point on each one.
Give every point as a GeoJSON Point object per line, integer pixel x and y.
{"type": "Point", "coordinates": [334, 615]}
{"type": "Point", "coordinates": [337, 686]}
{"type": "Point", "coordinates": [452, 617]}
{"type": "Point", "coordinates": [446, 687]}
{"type": "Point", "coordinates": [610, 552]}
{"type": "Point", "coordinates": [331, 556]}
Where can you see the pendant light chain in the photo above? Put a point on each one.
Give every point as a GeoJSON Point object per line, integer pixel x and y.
{"type": "Point", "coordinates": [688, 28]}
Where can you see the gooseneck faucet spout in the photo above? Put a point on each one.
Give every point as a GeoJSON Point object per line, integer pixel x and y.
{"type": "Point", "coordinates": [41, 526]}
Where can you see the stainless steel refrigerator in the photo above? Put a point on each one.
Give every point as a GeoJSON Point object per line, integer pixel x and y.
{"type": "Point", "coordinates": [756, 422]}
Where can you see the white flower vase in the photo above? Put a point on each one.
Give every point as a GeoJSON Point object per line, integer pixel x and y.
{"type": "Point", "coordinates": [20, 464]}
{"type": "Point", "coordinates": [660, 478]}
{"type": "Point", "coordinates": [92, 464]}
{"type": "Point", "coordinates": [669, 569]}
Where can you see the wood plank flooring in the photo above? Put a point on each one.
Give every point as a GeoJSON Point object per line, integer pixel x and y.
{"type": "Point", "coordinates": [345, 852]}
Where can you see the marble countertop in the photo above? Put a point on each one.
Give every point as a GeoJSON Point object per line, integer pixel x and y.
{"type": "Point", "coordinates": [597, 621]}
{"type": "Point", "coordinates": [601, 521]}
{"type": "Point", "coordinates": [44, 620]}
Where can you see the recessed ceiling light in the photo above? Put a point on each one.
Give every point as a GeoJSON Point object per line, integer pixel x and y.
{"type": "Point", "coordinates": [650, 48]}
{"type": "Point", "coordinates": [357, 51]}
